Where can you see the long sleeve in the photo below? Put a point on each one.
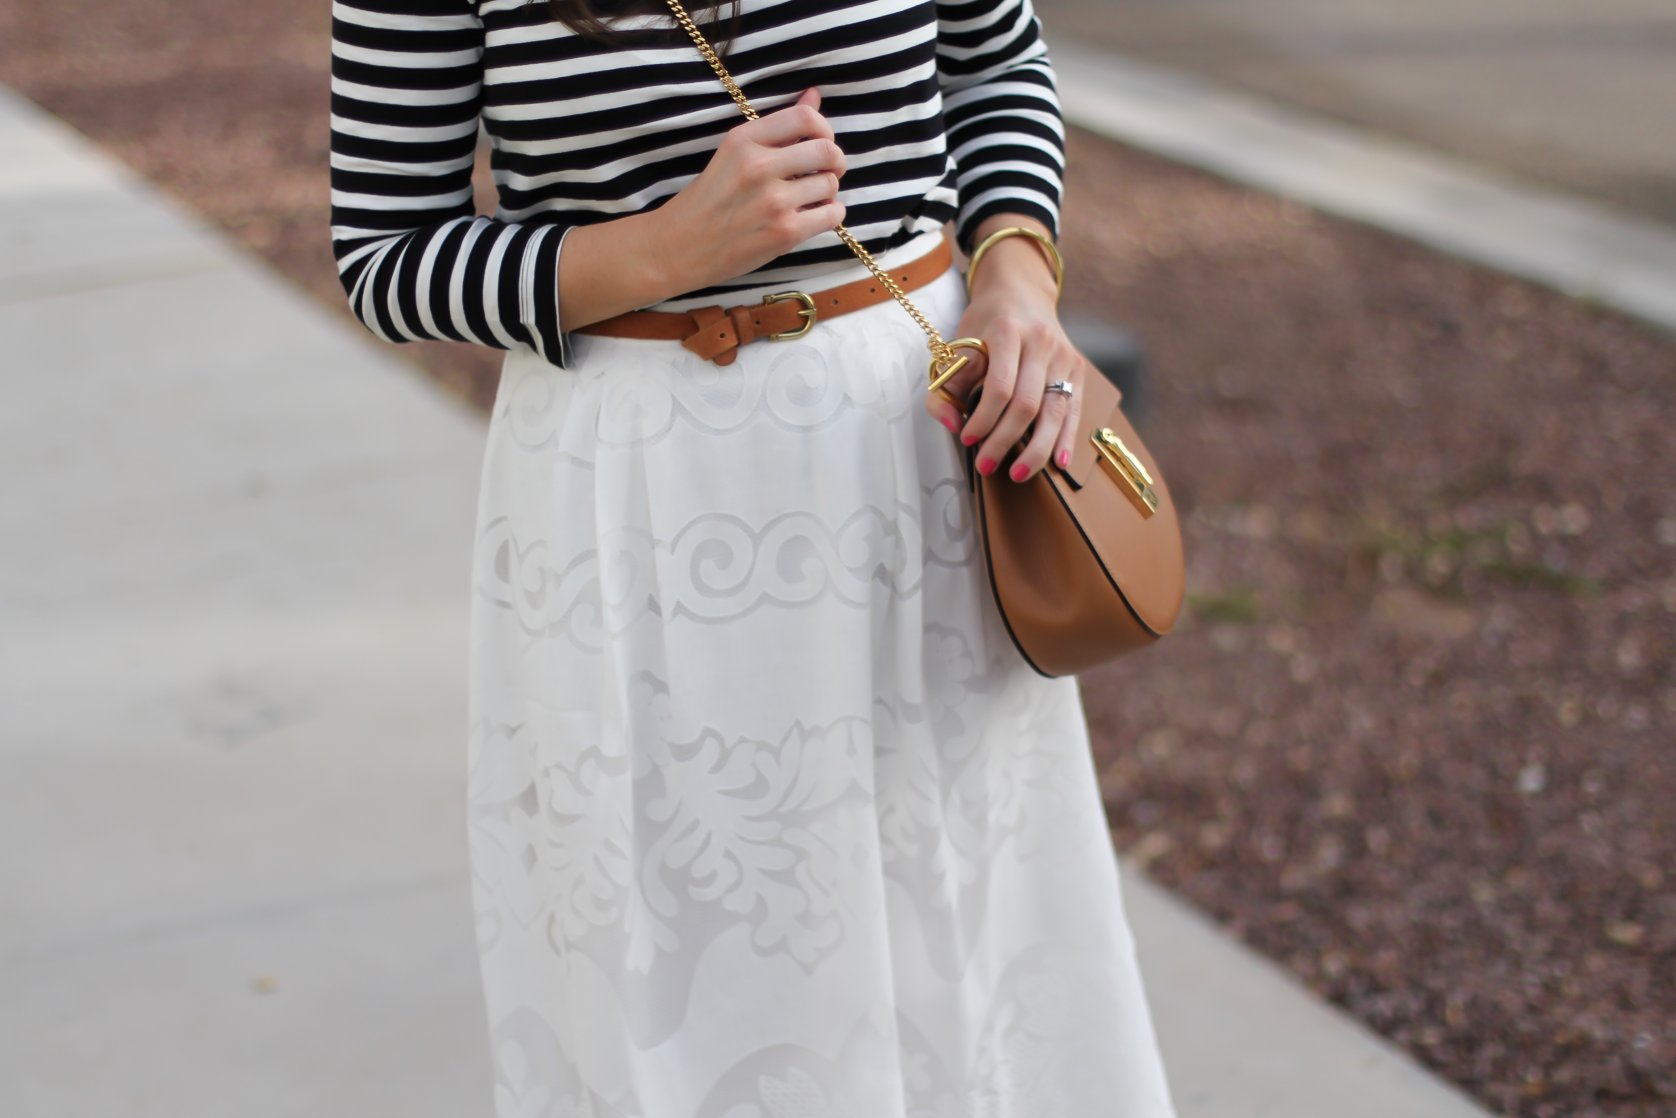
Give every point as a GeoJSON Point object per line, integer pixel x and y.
{"type": "Point", "coordinates": [1001, 109]}
{"type": "Point", "coordinates": [415, 259]}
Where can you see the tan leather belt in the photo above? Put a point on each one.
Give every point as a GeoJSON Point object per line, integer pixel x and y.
{"type": "Point", "coordinates": [716, 334]}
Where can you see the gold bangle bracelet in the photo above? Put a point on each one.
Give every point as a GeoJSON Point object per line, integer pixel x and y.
{"type": "Point", "coordinates": [1054, 259]}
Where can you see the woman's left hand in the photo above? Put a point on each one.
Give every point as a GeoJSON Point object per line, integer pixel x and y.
{"type": "Point", "coordinates": [1013, 311]}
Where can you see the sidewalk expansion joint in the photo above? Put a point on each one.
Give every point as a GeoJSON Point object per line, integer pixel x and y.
{"type": "Point", "coordinates": [279, 910]}
{"type": "Point", "coordinates": [73, 281]}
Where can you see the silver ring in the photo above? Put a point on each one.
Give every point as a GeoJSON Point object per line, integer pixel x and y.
{"type": "Point", "coordinates": [1063, 387]}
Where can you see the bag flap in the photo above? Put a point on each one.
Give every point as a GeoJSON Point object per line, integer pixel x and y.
{"type": "Point", "coordinates": [1100, 402]}
{"type": "Point", "coordinates": [1141, 554]}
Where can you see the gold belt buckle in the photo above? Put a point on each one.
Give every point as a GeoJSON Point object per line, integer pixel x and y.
{"type": "Point", "coordinates": [808, 313]}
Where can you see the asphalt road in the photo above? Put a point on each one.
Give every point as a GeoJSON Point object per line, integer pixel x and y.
{"type": "Point", "coordinates": [1577, 95]}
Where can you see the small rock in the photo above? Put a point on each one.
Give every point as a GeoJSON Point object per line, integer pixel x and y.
{"type": "Point", "coordinates": [1573, 520]}
{"type": "Point", "coordinates": [1338, 805]}
{"type": "Point", "coordinates": [1571, 711]}
{"type": "Point", "coordinates": [1286, 912]}
{"type": "Point", "coordinates": [1440, 564]}
{"type": "Point", "coordinates": [1533, 778]}
{"type": "Point", "coordinates": [1630, 654]}
{"type": "Point", "coordinates": [1282, 639]}
{"type": "Point", "coordinates": [1303, 668]}
{"type": "Point", "coordinates": [1624, 933]}
{"type": "Point", "coordinates": [1214, 834]}
{"type": "Point", "coordinates": [1378, 840]}
{"type": "Point", "coordinates": [1152, 846]}
{"type": "Point", "coordinates": [1227, 639]}
{"type": "Point", "coordinates": [1418, 614]}
{"type": "Point", "coordinates": [1159, 744]}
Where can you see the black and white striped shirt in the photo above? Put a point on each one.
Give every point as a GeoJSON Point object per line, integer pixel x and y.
{"type": "Point", "coordinates": [944, 111]}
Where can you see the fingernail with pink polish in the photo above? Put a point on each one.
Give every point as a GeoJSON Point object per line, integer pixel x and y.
{"type": "Point", "coordinates": [948, 421]}
{"type": "Point", "coordinates": [986, 466]}
{"type": "Point", "coordinates": [969, 440]}
{"type": "Point", "coordinates": [1064, 460]}
{"type": "Point", "coordinates": [1020, 472]}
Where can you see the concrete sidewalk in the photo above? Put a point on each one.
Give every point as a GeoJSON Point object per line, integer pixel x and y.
{"type": "Point", "coordinates": [232, 628]}
{"type": "Point", "coordinates": [1579, 95]}
{"type": "Point", "coordinates": [232, 623]}
{"type": "Point", "coordinates": [1584, 250]}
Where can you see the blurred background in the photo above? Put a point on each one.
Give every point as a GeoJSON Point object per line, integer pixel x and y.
{"type": "Point", "coordinates": [1415, 740]}
{"type": "Point", "coordinates": [1574, 95]}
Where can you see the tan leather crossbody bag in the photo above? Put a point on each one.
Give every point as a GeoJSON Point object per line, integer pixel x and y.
{"type": "Point", "coordinates": [1085, 562]}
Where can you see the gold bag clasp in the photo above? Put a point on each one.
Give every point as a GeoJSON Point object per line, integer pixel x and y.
{"type": "Point", "coordinates": [941, 376]}
{"type": "Point", "coordinates": [1135, 482]}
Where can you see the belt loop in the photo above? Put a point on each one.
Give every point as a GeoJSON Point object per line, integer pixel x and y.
{"type": "Point", "coordinates": [715, 340]}
{"type": "Point", "coordinates": [744, 323]}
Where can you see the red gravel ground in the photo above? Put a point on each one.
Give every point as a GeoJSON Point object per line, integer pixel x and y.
{"type": "Point", "coordinates": [1413, 738]}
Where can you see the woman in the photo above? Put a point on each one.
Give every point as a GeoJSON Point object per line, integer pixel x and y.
{"type": "Point", "coordinates": [768, 818]}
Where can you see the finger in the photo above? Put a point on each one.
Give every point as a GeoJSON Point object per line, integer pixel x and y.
{"type": "Point", "coordinates": [808, 158]}
{"type": "Point", "coordinates": [959, 386]}
{"type": "Point", "coordinates": [810, 190]}
{"type": "Point", "coordinates": [998, 382]}
{"type": "Point", "coordinates": [1016, 419]}
{"type": "Point", "coordinates": [789, 126]}
{"type": "Point", "coordinates": [941, 407]}
{"type": "Point", "coordinates": [811, 98]}
{"type": "Point", "coordinates": [1050, 421]}
{"type": "Point", "coordinates": [811, 221]}
{"type": "Point", "coordinates": [1066, 445]}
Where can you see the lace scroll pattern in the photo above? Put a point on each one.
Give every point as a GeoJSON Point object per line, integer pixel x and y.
{"type": "Point", "coordinates": [768, 819]}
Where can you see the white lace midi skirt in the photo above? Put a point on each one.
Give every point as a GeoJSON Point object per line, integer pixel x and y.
{"type": "Point", "coordinates": [768, 818]}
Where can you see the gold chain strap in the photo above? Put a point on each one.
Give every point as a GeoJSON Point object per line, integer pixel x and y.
{"type": "Point", "coordinates": [944, 361]}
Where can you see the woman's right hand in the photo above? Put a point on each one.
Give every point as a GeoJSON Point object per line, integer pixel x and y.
{"type": "Point", "coordinates": [771, 186]}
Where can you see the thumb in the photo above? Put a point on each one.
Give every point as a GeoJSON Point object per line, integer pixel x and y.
{"type": "Point", "coordinates": [811, 97]}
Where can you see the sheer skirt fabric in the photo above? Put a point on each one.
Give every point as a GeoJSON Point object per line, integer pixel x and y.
{"type": "Point", "coordinates": [767, 817]}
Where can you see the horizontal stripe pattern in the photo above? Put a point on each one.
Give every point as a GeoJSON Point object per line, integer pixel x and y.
{"type": "Point", "coordinates": [944, 111]}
